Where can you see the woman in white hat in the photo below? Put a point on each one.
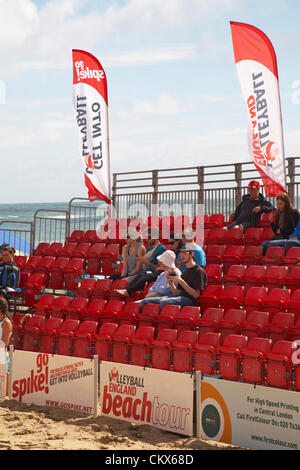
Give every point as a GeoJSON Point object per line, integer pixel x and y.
{"type": "Point", "coordinates": [161, 286]}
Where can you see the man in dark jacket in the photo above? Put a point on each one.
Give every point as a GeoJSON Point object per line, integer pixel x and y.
{"type": "Point", "coordinates": [253, 205]}
{"type": "Point", "coordinates": [9, 271]}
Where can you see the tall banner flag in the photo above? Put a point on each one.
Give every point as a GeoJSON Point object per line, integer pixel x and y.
{"type": "Point", "coordinates": [257, 70]}
{"type": "Point", "coordinates": [90, 105]}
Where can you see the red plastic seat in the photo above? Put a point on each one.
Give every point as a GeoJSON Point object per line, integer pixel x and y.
{"type": "Point", "coordinates": [214, 273]}
{"type": "Point", "coordinates": [77, 308]}
{"type": "Point", "coordinates": [205, 353]}
{"type": "Point", "coordinates": [276, 301]}
{"type": "Point", "coordinates": [54, 249]}
{"type": "Point", "coordinates": [229, 356]}
{"type": "Point", "coordinates": [58, 308]}
{"type": "Point", "coordinates": [67, 250]}
{"type": "Point", "coordinates": [279, 327]}
{"type": "Point", "coordinates": [94, 310]}
{"type": "Point", "coordinates": [182, 351]}
{"type": "Point", "coordinates": [234, 236]}
{"type": "Point", "coordinates": [65, 337]}
{"type": "Point", "coordinates": [253, 235]}
{"type": "Point", "coordinates": [81, 250]}
{"type": "Point", "coordinates": [102, 288]}
{"type": "Point", "coordinates": [214, 253]}
{"type": "Point", "coordinates": [187, 318]}
{"type": "Point", "coordinates": [293, 305]}
{"type": "Point", "coordinates": [217, 236]}
{"type": "Point", "coordinates": [32, 263]}
{"type": "Point", "coordinates": [102, 341]}
{"type": "Point", "coordinates": [208, 323]}
{"type": "Point", "coordinates": [231, 323]}
{"type": "Point", "coordinates": [41, 249]}
{"type": "Point", "coordinates": [47, 335]}
{"type": "Point", "coordinates": [254, 276]}
{"type": "Point", "coordinates": [121, 342]}
{"type": "Point", "coordinates": [251, 255]}
{"type": "Point", "coordinates": [111, 311]}
{"type": "Point", "coordinates": [83, 339]}
{"type": "Point", "coordinates": [149, 315]}
{"type": "Point", "coordinates": [210, 296]}
{"type": "Point", "coordinates": [140, 346]}
{"type": "Point", "coordinates": [33, 287]}
{"type": "Point", "coordinates": [215, 221]}
{"type": "Point", "coordinates": [31, 332]}
{"type": "Point", "coordinates": [41, 308]}
{"type": "Point", "coordinates": [292, 257]}
{"type": "Point", "coordinates": [292, 281]}
{"type": "Point", "coordinates": [72, 273]}
{"type": "Point", "coordinates": [279, 364]}
{"type": "Point", "coordinates": [273, 256]}
{"type": "Point", "coordinates": [130, 314]}
{"type": "Point", "coordinates": [19, 319]}
{"type": "Point", "coordinates": [267, 234]}
{"type": "Point", "coordinates": [235, 275]}
{"type": "Point", "coordinates": [90, 236]}
{"type": "Point", "coordinates": [294, 332]}
{"type": "Point", "coordinates": [56, 272]}
{"type": "Point", "coordinates": [275, 277]}
{"type": "Point", "coordinates": [93, 258]}
{"type": "Point", "coordinates": [252, 360]}
{"type": "Point", "coordinates": [76, 236]}
{"type": "Point", "coordinates": [161, 348]}
{"type": "Point", "coordinates": [264, 221]}
{"type": "Point", "coordinates": [254, 299]}
{"type": "Point", "coordinates": [232, 298]}
{"type": "Point", "coordinates": [20, 261]}
{"type": "Point", "coordinates": [167, 317]}
{"type": "Point", "coordinates": [255, 324]}
{"type": "Point", "coordinates": [117, 284]}
{"type": "Point", "coordinates": [44, 267]}
{"type": "Point", "coordinates": [86, 288]}
{"type": "Point", "coordinates": [232, 256]}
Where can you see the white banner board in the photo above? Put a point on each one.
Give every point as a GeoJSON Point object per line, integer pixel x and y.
{"type": "Point", "coordinates": [162, 399]}
{"type": "Point", "coordinates": [254, 417]}
{"type": "Point", "coordinates": [52, 380]}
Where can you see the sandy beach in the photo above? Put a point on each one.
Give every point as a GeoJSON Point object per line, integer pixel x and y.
{"type": "Point", "coordinates": [30, 427]}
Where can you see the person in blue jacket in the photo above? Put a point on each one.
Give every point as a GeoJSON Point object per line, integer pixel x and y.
{"type": "Point", "coordinates": [287, 243]}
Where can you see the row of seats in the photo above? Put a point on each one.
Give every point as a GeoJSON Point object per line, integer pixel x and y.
{"type": "Point", "coordinates": [257, 360]}
{"type": "Point", "coordinates": [254, 275]}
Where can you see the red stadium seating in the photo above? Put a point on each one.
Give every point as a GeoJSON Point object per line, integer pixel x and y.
{"type": "Point", "coordinates": [187, 318]}
{"type": "Point", "coordinates": [279, 327]}
{"type": "Point", "coordinates": [140, 346]}
{"type": "Point", "coordinates": [292, 257]}
{"type": "Point", "coordinates": [205, 353]}
{"type": "Point", "coordinates": [214, 273]}
{"type": "Point", "coordinates": [83, 339]}
{"type": "Point", "coordinates": [235, 275]}
{"type": "Point", "coordinates": [255, 324]}
{"type": "Point", "coordinates": [279, 364]}
{"type": "Point", "coordinates": [77, 308]}
{"type": "Point", "coordinates": [214, 253]}
{"type": "Point", "coordinates": [292, 281]}
{"type": "Point", "coordinates": [121, 342]}
{"type": "Point", "coordinates": [254, 276]}
{"type": "Point", "coordinates": [210, 296]}
{"type": "Point", "coordinates": [86, 288]}
{"type": "Point", "coordinates": [47, 335]}
{"type": "Point", "coordinates": [229, 356]}
{"type": "Point", "coordinates": [208, 323]}
{"type": "Point", "coordinates": [41, 308]}
{"type": "Point", "coordinates": [254, 298]}
{"type": "Point", "coordinates": [252, 360]}
{"type": "Point", "coordinates": [65, 337]}
{"type": "Point", "coordinates": [253, 235]}
{"type": "Point", "coordinates": [102, 341]}
{"type": "Point", "coordinates": [94, 310]}
{"type": "Point", "coordinates": [251, 255]}
{"type": "Point", "coordinates": [57, 272]}
{"type": "Point", "coordinates": [182, 350]}
{"type": "Point", "coordinates": [232, 256]}
{"type": "Point", "coordinates": [231, 323]}
{"type": "Point", "coordinates": [58, 308]}
{"type": "Point", "coordinates": [276, 301]}
{"type": "Point", "coordinates": [31, 332]}
{"type": "Point", "coordinates": [232, 298]}
{"type": "Point", "coordinates": [72, 273]}
{"type": "Point", "coordinates": [161, 348]}
{"type": "Point", "coordinates": [167, 317]}
{"type": "Point", "coordinates": [275, 277]}
{"type": "Point", "coordinates": [273, 256]}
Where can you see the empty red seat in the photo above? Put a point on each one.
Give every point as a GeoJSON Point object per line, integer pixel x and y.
{"type": "Point", "coordinates": [67, 250]}
{"type": "Point", "coordinates": [255, 324]}
{"type": "Point", "coordinates": [254, 276]}
{"type": "Point", "coordinates": [229, 356]}
{"type": "Point", "coordinates": [205, 353]}
{"type": "Point", "coordinates": [279, 327]}
{"type": "Point", "coordinates": [33, 287]}
{"type": "Point", "coordinates": [20, 261]}
{"type": "Point", "coordinates": [32, 263]}
{"type": "Point", "coordinates": [232, 255]}
{"type": "Point", "coordinates": [53, 249]}
{"type": "Point", "coordinates": [41, 308]}
{"type": "Point", "coordinates": [252, 360]}
{"type": "Point", "coordinates": [47, 335]}
{"type": "Point", "coordinates": [231, 323]}
{"type": "Point", "coordinates": [93, 258]}
{"type": "Point", "coordinates": [58, 308]}
{"type": "Point", "coordinates": [56, 272]}
{"type": "Point", "coordinates": [167, 317]}
{"type": "Point", "coordinates": [102, 341]}
{"type": "Point", "coordinates": [264, 221]}
{"type": "Point", "coordinates": [31, 332]}
{"type": "Point", "coordinates": [251, 255]}
{"type": "Point", "coordinates": [292, 257]}
{"type": "Point", "coordinates": [275, 277]}
{"type": "Point", "coordinates": [234, 236]}
{"type": "Point", "coordinates": [83, 339]}
{"type": "Point", "coordinates": [77, 308]}
{"type": "Point", "coordinates": [293, 305]}
{"type": "Point", "coordinates": [44, 266]}
{"type": "Point", "coordinates": [182, 350]}
{"type": "Point", "coordinates": [86, 288]}
{"type": "Point", "coordinates": [90, 236]}
{"type": "Point", "coordinates": [279, 364]}
{"type": "Point", "coordinates": [210, 296]}
{"type": "Point", "coordinates": [102, 288]}
{"type": "Point", "coordinates": [253, 235]}
{"type": "Point", "coordinates": [65, 337]}
{"type": "Point", "coordinates": [161, 348]}
{"type": "Point", "coordinates": [276, 301]}
{"type": "Point", "coordinates": [267, 234]}
{"type": "Point", "coordinates": [81, 250]}
{"type": "Point", "coordinates": [111, 311]}
{"type": "Point", "coordinates": [294, 333]}
{"type": "Point", "coordinates": [254, 298]}
{"type": "Point", "coordinates": [273, 256]}
{"type": "Point", "coordinates": [292, 280]}
{"type": "Point", "coordinates": [217, 236]}
{"type": "Point", "coordinates": [187, 318]}
{"type": "Point", "coordinates": [76, 236]}
{"type": "Point", "coordinates": [72, 273]}
{"type": "Point", "coordinates": [140, 346]}
{"type": "Point", "coordinates": [121, 342]}
{"type": "Point", "coordinates": [232, 298]}
{"type": "Point", "coordinates": [41, 249]}
{"type": "Point", "coordinates": [214, 273]}
{"type": "Point", "coordinates": [208, 323]}
{"type": "Point", "coordinates": [130, 313]}
{"type": "Point", "coordinates": [19, 319]}
{"type": "Point", "coordinates": [215, 221]}
{"type": "Point", "coordinates": [94, 310]}
{"type": "Point", "coordinates": [214, 253]}
{"type": "Point", "coordinates": [149, 315]}
{"type": "Point", "coordinates": [235, 275]}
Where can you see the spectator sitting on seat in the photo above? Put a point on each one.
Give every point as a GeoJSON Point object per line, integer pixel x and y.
{"type": "Point", "coordinates": [161, 286]}
{"type": "Point", "coordinates": [150, 262]}
{"type": "Point", "coordinates": [287, 243]}
{"type": "Point", "coordinates": [252, 206]}
{"type": "Point", "coordinates": [9, 271]}
{"type": "Point", "coordinates": [286, 218]}
{"type": "Point", "coordinates": [132, 254]}
{"type": "Point", "coordinates": [185, 288]}
{"type": "Point", "coordinates": [188, 237]}
{"type": "Point", "coordinates": [2, 247]}
{"type": "Point", "coordinates": [175, 242]}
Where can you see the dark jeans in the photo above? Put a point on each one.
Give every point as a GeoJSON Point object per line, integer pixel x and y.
{"type": "Point", "coordinates": [287, 244]}
{"type": "Point", "coordinates": [140, 280]}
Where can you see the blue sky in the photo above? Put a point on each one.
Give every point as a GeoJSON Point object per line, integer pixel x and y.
{"type": "Point", "coordinates": [174, 95]}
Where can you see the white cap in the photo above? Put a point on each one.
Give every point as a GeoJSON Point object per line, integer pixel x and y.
{"type": "Point", "coordinates": [168, 258]}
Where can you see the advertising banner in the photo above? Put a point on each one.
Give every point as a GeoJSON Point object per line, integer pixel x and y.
{"type": "Point", "coordinates": [257, 71]}
{"type": "Point", "coordinates": [162, 399]}
{"type": "Point", "coordinates": [52, 380]}
{"type": "Point", "coordinates": [254, 417]}
{"type": "Point", "coordinates": [90, 104]}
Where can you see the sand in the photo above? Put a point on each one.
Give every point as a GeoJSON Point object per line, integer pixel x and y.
{"type": "Point", "coordinates": [31, 427]}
